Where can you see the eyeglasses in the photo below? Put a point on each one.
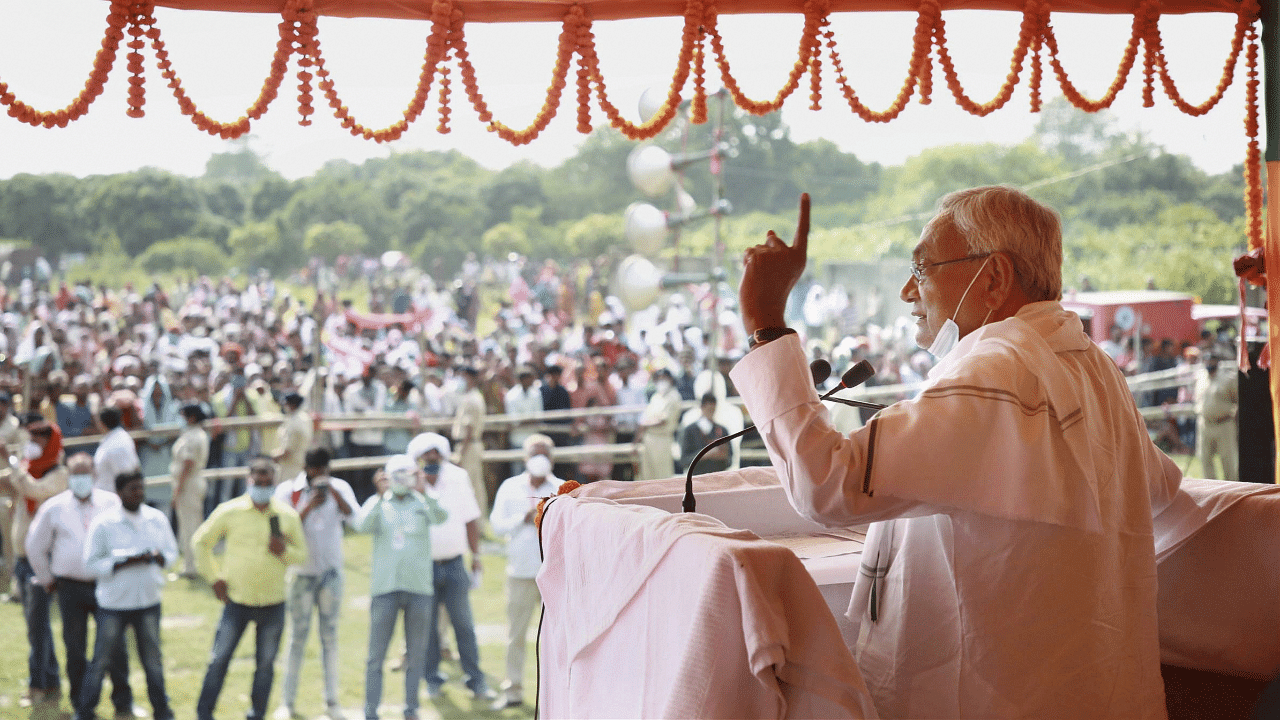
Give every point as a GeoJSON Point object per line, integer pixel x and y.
{"type": "Point", "coordinates": [917, 270]}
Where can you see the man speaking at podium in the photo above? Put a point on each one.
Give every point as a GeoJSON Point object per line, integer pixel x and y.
{"type": "Point", "coordinates": [1014, 574]}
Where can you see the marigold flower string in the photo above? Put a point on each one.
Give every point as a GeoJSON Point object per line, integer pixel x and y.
{"type": "Point", "coordinates": [104, 59]}
{"type": "Point", "coordinates": [918, 72]}
{"type": "Point", "coordinates": [1228, 67]}
{"type": "Point", "coordinates": [1029, 30]}
{"type": "Point", "coordinates": [1253, 157]}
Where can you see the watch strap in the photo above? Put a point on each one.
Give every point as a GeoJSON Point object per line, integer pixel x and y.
{"type": "Point", "coordinates": [767, 334]}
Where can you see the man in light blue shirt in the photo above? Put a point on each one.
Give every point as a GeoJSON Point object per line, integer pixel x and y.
{"type": "Point", "coordinates": [402, 577]}
{"type": "Point", "coordinates": [128, 548]}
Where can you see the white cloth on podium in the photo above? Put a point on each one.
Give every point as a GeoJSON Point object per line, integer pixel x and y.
{"type": "Point", "coordinates": [1220, 578]}
{"type": "Point", "coordinates": [1017, 577]}
{"type": "Point", "coordinates": [655, 615]}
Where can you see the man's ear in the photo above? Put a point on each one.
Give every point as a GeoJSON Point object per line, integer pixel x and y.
{"type": "Point", "coordinates": [1002, 282]}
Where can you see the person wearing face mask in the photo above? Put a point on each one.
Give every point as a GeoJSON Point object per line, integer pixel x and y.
{"type": "Point", "coordinates": [326, 504]}
{"type": "Point", "coordinates": [37, 476]}
{"type": "Point", "coordinates": [128, 548]}
{"type": "Point", "coordinates": [263, 537]}
{"type": "Point", "coordinates": [514, 507]}
{"type": "Point", "coordinates": [1016, 491]}
{"type": "Point", "coordinates": [400, 519]}
{"type": "Point", "coordinates": [656, 430]}
{"type": "Point", "coordinates": [55, 545]}
{"type": "Point", "coordinates": [453, 579]}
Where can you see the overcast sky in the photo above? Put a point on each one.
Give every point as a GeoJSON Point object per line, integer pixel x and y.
{"type": "Point", "coordinates": [223, 58]}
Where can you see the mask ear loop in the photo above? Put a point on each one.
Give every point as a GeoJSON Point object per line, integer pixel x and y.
{"type": "Point", "coordinates": [965, 294]}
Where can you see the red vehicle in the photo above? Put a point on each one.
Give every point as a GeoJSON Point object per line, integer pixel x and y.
{"type": "Point", "coordinates": [1159, 314]}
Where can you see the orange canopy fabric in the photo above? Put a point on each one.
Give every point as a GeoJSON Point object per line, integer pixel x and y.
{"type": "Point", "coordinates": [555, 10]}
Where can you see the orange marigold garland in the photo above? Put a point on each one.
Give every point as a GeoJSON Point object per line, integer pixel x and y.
{"type": "Point", "coordinates": [1030, 29]}
{"type": "Point", "coordinates": [1253, 157]}
{"type": "Point", "coordinates": [104, 59]}
{"type": "Point", "coordinates": [564, 58]}
{"type": "Point", "coordinates": [270, 87]}
{"type": "Point", "coordinates": [566, 487]}
{"type": "Point", "coordinates": [698, 111]}
{"type": "Point", "coordinates": [1243, 22]}
{"type": "Point", "coordinates": [443, 127]}
{"type": "Point", "coordinates": [139, 13]}
{"type": "Point", "coordinates": [918, 72]}
{"type": "Point", "coordinates": [1122, 74]}
{"type": "Point", "coordinates": [694, 19]}
{"type": "Point", "coordinates": [583, 39]}
{"type": "Point", "coordinates": [809, 44]}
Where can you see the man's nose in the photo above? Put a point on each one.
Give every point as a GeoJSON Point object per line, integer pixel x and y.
{"type": "Point", "coordinates": [910, 290]}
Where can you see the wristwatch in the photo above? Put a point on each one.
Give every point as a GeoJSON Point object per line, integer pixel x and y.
{"type": "Point", "coordinates": [764, 335]}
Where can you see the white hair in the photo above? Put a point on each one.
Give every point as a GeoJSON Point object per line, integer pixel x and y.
{"type": "Point", "coordinates": [1001, 219]}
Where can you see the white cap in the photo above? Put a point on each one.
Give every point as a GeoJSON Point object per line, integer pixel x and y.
{"type": "Point", "coordinates": [420, 444]}
{"type": "Point", "coordinates": [401, 469]}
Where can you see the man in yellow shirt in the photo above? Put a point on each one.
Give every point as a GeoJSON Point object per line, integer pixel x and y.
{"type": "Point", "coordinates": [263, 537]}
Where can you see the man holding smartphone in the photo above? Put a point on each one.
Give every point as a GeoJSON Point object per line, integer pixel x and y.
{"type": "Point", "coordinates": [324, 504]}
{"type": "Point", "coordinates": [263, 538]}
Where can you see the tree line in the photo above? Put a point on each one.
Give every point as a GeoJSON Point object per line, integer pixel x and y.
{"type": "Point", "coordinates": [1133, 213]}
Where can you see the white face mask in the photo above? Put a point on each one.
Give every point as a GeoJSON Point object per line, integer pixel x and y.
{"type": "Point", "coordinates": [662, 385]}
{"type": "Point", "coordinates": [80, 485]}
{"type": "Point", "coordinates": [538, 466]}
{"type": "Point", "coordinates": [32, 450]}
{"type": "Point", "coordinates": [949, 335]}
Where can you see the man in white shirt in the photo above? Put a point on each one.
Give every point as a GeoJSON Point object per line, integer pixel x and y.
{"type": "Point", "coordinates": [449, 485]}
{"type": "Point", "coordinates": [1011, 571]}
{"type": "Point", "coordinates": [325, 504]}
{"type": "Point", "coordinates": [55, 545]}
{"type": "Point", "coordinates": [523, 398]}
{"type": "Point", "coordinates": [116, 454]}
{"type": "Point", "coordinates": [128, 548]}
{"type": "Point", "coordinates": [514, 508]}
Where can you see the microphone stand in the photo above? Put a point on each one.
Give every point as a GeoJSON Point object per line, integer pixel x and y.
{"type": "Point", "coordinates": [855, 376]}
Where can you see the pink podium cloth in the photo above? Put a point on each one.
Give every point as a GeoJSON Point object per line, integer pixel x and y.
{"type": "Point", "coordinates": [655, 615]}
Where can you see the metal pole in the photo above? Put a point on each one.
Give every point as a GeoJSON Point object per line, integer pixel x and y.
{"type": "Point", "coordinates": [717, 192]}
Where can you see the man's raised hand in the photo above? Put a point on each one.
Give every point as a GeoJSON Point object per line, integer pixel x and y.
{"type": "Point", "coordinates": [769, 272]}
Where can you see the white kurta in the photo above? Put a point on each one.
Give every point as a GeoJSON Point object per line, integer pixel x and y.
{"type": "Point", "coordinates": [1019, 576]}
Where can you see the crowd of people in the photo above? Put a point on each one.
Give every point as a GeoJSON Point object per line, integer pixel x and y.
{"type": "Point", "coordinates": [83, 367]}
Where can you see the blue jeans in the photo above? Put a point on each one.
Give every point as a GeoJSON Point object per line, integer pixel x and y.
{"type": "Point", "coordinates": [42, 661]}
{"type": "Point", "coordinates": [110, 641]}
{"type": "Point", "coordinates": [419, 611]}
{"type": "Point", "coordinates": [235, 620]}
{"type": "Point", "coordinates": [453, 590]}
{"type": "Point", "coordinates": [76, 603]}
{"type": "Point", "coordinates": [323, 593]}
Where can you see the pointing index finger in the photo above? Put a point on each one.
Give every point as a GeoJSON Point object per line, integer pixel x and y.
{"type": "Point", "coordinates": [802, 226]}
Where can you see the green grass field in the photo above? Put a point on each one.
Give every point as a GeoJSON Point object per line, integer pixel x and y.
{"type": "Point", "coordinates": [190, 615]}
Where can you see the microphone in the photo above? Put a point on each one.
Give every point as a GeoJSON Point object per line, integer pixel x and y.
{"type": "Point", "coordinates": [853, 377]}
{"type": "Point", "coordinates": [821, 370]}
